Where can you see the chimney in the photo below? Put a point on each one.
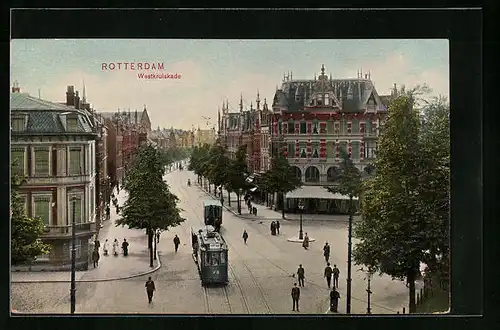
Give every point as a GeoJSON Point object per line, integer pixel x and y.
{"type": "Point", "coordinates": [15, 87]}
{"type": "Point", "coordinates": [77, 101]}
{"type": "Point", "coordinates": [136, 117]}
{"type": "Point", "coordinates": [70, 96]}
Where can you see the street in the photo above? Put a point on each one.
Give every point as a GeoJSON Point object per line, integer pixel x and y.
{"type": "Point", "coordinates": [260, 273]}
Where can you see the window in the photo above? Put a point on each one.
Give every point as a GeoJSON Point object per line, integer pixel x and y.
{"type": "Point", "coordinates": [329, 126]}
{"type": "Point", "coordinates": [291, 150]}
{"type": "Point", "coordinates": [370, 148]}
{"type": "Point", "coordinates": [330, 149]}
{"type": "Point", "coordinates": [303, 127]}
{"type": "Point", "coordinates": [355, 146]}
{"type": "Point", "coordinates": [355, 126]}
{"type": "Point", "coordinates": [17, 160]}
{"type": "Point", "coordinates": [42, 208]}
{"type": "Point", "coordinates": [75, 161]}
{"type": "Point", "coordinates": [315, 149]}
{"type": "Point", "coordinates": [303, 149]}
{"type": "Point", "coordinates": [280, 127]}
{"type": "Point", "coordinates": [78, 209]}
{"type": "Point", "coordinates": [315, 127]}
{"type": "Point", "coordinates": [18, 124]}
{"type": "Point", "coordinates": [327, 101]}
{"type": "Point", "coordinates": [343, 126]}
{"type": "Point", "coordinates": [291, 127]}
{"type": "Point", "coordinates": [72, 124]}
{"type": "Point", "coordinates": [343, 147]}
{"type": "Point", "coordinates": [92, 200]}
{"type": "Point", "coordinates": [223, 257]}
{"type": "Point", "coordinates": [368, 126]}
{"type": "Point", "coordinates": [41, 161]}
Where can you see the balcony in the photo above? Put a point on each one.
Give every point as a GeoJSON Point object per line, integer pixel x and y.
{"type": "Point", "coordinates": [65, 231]}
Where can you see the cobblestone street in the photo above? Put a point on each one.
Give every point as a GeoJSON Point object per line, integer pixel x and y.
{"type": "Point", "coordinates": [260, 273]}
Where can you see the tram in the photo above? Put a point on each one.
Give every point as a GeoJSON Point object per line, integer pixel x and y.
{"type": "Point", "coordinates": [212, 213]}
{"type": "Point", "coordinates": [210, 255]}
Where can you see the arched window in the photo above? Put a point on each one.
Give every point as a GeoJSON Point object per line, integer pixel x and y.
{"type": "Point", "coordinates": [327, 100]}
{"type": "Point", "coordinates": [332, 174]}
{"type": "Point", "coordinates": [312, 174]}
{"type": "Point", "coordinates": [297, 172]}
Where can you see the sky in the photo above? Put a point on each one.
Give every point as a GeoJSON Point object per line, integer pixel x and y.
{"type": "Point", "coordinates": [213, 71]}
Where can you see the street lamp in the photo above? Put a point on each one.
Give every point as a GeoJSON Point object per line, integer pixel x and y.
{"type": "Point", "coordinates": [239, 201]}
{"type": "Point", "coordinates": [301, 208]}
{"type": "Point", "coordinates": [73, 258]}
{"type": "Point", "coordinates": [349, 258]}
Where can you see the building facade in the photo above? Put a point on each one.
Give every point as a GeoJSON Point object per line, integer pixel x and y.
{"type": "Point", "coordinates": [54, 147]}
{"type": "Point", "coordinates": [314, 120]}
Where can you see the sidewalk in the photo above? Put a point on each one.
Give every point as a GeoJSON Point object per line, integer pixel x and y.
{"type": "Point", "coordinates": [110, 267]}
{"type": "Point", "coordinates": [268, 214]}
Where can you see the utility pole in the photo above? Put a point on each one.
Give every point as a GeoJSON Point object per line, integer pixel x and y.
{"type": "Point", "coordinates": [349, 259]}
{"type": "Point", "coordinates": [73, 259]}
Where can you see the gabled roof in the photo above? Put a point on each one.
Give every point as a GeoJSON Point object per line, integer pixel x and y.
{"type": "Point", "coordinates": [25, 102]}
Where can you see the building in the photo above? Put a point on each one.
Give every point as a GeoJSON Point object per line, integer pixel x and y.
{"type": "Point", "coordinates": [204, 136]}
{"type": "Point", "coordinates": [54, 146]}
{"type": "Point", "coordinates": [314, 120]}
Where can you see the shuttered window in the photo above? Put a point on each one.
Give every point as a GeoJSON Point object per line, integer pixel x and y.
{"type": "Point", "coordinates": [42, 208]}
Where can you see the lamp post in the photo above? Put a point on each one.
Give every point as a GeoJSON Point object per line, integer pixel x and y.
{"type": "Point", "coordinates": [301, 208]}
{"type": "Point", "coordinates": [349, 259]}
{"type": "Point", "coordinates": [239, 200]}
{"type": "Point", "coordinates": [73, 258]}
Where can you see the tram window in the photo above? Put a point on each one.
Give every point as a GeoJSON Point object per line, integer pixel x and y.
{"type": "Point", "coordinates": [207, 259]}
{"type": "Point", "coordinates": [215, 259]}
{"type": "Point", "coordinates": [222, 257]}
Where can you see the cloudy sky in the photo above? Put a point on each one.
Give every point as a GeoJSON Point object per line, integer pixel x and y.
{"type": "Point", "coordinates": [213, 71]}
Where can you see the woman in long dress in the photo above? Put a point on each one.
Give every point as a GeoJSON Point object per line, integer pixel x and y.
{"type": "Point", "coordinates": [115, 247]}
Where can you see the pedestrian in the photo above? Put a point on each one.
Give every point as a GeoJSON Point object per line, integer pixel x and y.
{"type": "Point", "coordinates": [157, 236]}
{"type": "Point", "coordinates": [150, 289]}
{"type": "Point", "coordinates": [273, 228]}
{"type": "Point", "coordinates": [125, 247]}
{"type": "Point", "coordinates": [95, 257]}
{"type": "Point", "coordinates": [97, 244]}
{"type": "Point", "coordinates": [301, 275]}
{"type": "Point", "coordinates": [277, 227]}
{"type": "Point", "coordinates": [295, 297]}
{"type": "Point", "coordinates": [336, 273]}
{"type": "Point", "coordinates": [326, 251]}
{"type": "Point", "coordinates": [177, 242]}
{"type": "Point", "coordinates": [328, 274]}
{"type": "Point", "coordinates": [254, 211]}
{"type": "Point", "coordinates": [245, 236]}
{"type": "Point", "coordinates": [115, 247]}
{"type": "Point", "coordinates": [107, 211]}
{"type": "Point", "coordinates": [105, 247]}
{"type": "Point", "coordinates": [305, 243]}
{"type": "Point", "coordinates": [334, 300]}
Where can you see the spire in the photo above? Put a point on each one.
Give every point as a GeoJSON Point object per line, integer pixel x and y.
{"type": "Point", "coordinates": [361, 73]}
{"type": "Point", "coordinates": [145, 107]}
{"type": "Point", "coordinates": [241, 102]}
{"type": "Point", "coordinates": [284, 77]}
{"type": "Point", "coordinates": [291, 75]}
{"type": "Point", "coordinates": [369, 75]}
{"type": "Point", "coordinates": [330, 76]}
{"type": "Point", "coordinates": [258, 100]}
{"type": "Point", "coordinates": [322, 69]}
{"type": "Point", "coordinates": [218, 121]}
{"type": "Point", "coordinates": [251, 105]}
{"type": "Point", "coordinates": [315, 76]}
{"type": "Point", "coordinates": [84, 96]}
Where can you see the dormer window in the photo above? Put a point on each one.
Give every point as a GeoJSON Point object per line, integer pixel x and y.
{"type": "Point", "coordinates": [72, 123]}
{"type": "Point", "coordinates": [327, 100]}
{"type": "Point", "coordinates": [18, 123]}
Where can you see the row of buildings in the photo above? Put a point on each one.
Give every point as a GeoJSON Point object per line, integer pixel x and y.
{"type": "Point", "coordinates": [178, 138]}
{"type": "Point", "coordinates": [310, 121]}
{"type": "Point", "coordinates": [69, 152]}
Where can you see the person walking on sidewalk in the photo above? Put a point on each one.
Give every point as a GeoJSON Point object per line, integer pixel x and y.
{"type": "Point", "coordinates": [115, 247]}
{"type": "Point", "coordinates": [95, 257]}
{"type": "Point", "coordinates": [107, 211]}
{"type": "Point", "coordinates": [326, 251]}
{"type": "Point", "coordinates": [97, 244]}
{"type": "Point", "coordinates": [328, 274]}
{"type": "Point", "coordinates": [157, 234]}
{"type": "Point", "coordinates": [150, 289]}
{"type": "Point", "coordinates": [295, 297]}
{"type": "Point", "coordinates": [305, 243]}
{"type": "Point", "coordinates": [334, 300]}
{"type": "Point", "coordinates": [177, 242]}
{"type": "Point", "coordinates": [105, 247]}
{"type": "Point", "coordinates": [336, 273]}
{"type": "Point", "coordinates": [277, 227]}
{"type": "Point", "coordinates": [245, 236]}
{"type": "Point", "coordinates": [301, 275]}
{"type": "Point", "coordinates": [125, 247]}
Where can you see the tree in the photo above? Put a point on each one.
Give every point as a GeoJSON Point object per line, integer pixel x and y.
{"type": "Point", "coordinates": [26, 243]}
{"type": "Point", "coordinates": [399, 224]}
{"type": "Point", "coordinates": [150, 205]}
{"type": "Point", "coordinates": [280, 178]}
{"type": "Point", "coordinates": [237, 174]}
{"type": "Point", "coordinates": [219, 171]}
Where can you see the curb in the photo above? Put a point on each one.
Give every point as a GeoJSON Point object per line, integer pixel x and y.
{"type": "Point", "coordinates": [99, 279]}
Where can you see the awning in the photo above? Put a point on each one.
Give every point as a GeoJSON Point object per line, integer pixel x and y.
{"type": "Point", "coordinates": [315, 192]}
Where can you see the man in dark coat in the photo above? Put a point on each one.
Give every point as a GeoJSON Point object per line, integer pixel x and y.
{"type": "Point", "coordinates": [334, 300]}
{"type": "Point", "coordinates": [295, 297]}
{"type": "Point", "coordinates": [125, 247]}
{"type": "Point", "coordinates": [177, 242]}
{"type": "Point", "coordinates": [150, 289]}
{"type": "Point", "coordinates": [95, 257]}
{"type": "Point", "coordinates": [328, 274]}
{"type": "Point", "coordinates": [336, 273]}
{"type": "Point", "coordinates": [326, 251]}
{"type": "Point", "coordinates": [107, 212]}
{"type": "Point", "coordinates": [301, 275]}
{"type": "Point", "coordinates": [277, 227]}
{"type": "Point", "coordinates": [245, 236]}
